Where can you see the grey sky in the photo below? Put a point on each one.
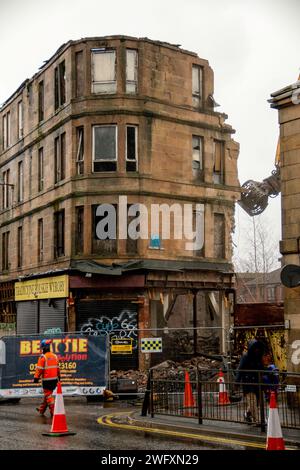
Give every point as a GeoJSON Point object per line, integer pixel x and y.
{"type": "Point", "coordinates": [252, 46]}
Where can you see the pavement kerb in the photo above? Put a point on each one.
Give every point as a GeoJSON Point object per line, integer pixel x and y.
{"type": "Point", "coordinates": [136, 419]}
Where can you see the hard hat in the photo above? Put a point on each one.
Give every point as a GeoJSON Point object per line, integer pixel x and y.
{"type": "Point", "coordinates": [45, 342]}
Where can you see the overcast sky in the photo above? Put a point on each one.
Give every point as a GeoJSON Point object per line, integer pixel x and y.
{"type": "Point", "coordinates": [252, 46]}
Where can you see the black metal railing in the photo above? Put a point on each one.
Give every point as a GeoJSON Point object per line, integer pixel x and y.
{"type": "Point", "coordinates": [208, 395]}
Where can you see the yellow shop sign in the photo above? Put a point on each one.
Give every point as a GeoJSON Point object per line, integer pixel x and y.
{"type": "Point", "coordinates": [45, 288]}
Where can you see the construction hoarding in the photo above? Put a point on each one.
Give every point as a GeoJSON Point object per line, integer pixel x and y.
{"type": "Point", "coordinates": [82, 360]}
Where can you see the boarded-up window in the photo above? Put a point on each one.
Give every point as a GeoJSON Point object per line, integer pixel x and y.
{"type": "Point", "coordinates": [103, 71]}
{"type": "Point", "coordinates": [105, 148]}
{"type": "Point", "coordinates": [131, 148]}
{"type": "Point", "coordinates": [218, 169]}
{"type": "Point", "coordinates": [131, 71]}
{"type": "Point", "coordinates": [219, 236]}
{"type": "Point", "coordinates": [197, 86]}
{"type": "Point", "coordinates": [108, 245]}
{"type": "Point", "coordinates": [79, 229]}
{"type": "Point", "coordinates": [80, 150]}
{"type": "Point", "coordinates": [197, 161]}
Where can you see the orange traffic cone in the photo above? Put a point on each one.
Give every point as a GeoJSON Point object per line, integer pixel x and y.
{"type": "Point", "coordinates": [274, 433]}
{"type": "Point", "coordinates": [188, 403]}
{"type": "Point", "coordinates": [223, 395]}
{"type": "Point", "coordinates": [59, 422]}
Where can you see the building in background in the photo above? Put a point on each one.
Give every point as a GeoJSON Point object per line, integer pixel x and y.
{"type": "Point", "coordinates": [102, 118]}
{"type": "Point", "coordinates": [259, 287]}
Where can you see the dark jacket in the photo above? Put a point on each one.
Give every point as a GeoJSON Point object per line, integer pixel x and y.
{"type": "Point", "coordinates": [250, 363]}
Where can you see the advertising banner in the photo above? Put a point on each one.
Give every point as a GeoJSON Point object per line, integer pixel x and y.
{"type": "Point", "coordinates": [82, 361]}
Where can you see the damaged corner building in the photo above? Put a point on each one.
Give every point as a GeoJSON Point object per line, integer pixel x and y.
{"type": "Point", "coordinates": [119, 121]}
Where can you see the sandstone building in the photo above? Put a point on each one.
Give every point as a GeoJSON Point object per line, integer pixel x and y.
{"type": "Point", "coordinates": [102, 118]}
{"type": "Point", "coordinates": [287, 102]}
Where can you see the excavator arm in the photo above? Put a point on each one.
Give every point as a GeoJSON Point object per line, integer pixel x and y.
{"type": "Point", "coordinates": [255, 195]}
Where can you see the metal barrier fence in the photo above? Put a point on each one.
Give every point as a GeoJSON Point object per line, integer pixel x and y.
{"type": "Point", "coordinates": [167, 396]}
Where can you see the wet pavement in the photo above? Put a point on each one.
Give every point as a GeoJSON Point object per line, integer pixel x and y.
{"type": "Point", "coordinates": [21, 429]}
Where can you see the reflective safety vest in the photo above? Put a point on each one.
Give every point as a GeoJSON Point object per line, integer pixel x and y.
{"type": "Point", "coordinates": [47, 367]}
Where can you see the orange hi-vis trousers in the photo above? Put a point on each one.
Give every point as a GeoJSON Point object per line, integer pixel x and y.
{"type": "Point", "coordinates": [47, 401]}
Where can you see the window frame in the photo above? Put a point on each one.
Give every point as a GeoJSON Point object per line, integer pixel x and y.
{"type": "Point", "coordinates": [41, 101]}
{"type": "Point", "coordinates": [20, 247]}
{"type": "Point", "coordinates": [136, 68]}
{"type": "Point", "coordinates": [20, 120]}
{"type": "Point", "coordinates": [41, 174]}
{"type": "Point", "coordinates": [199, 172]}
{"type": "Point", "coordinates": [80, 150]}
{"type": "Point", "coordinates": [103, 160]}
{"type": "Point", "coordinates": [197, 95]}
{"type": "Point", "coordinates": [219, 175]}
{"type": "Point", "coordinates": [94, 83]}
{"type": "Point", "coordinates": [130, 160]}
{"type": "Point", "coordinates": [20, 181]}
{"type": "Point", "coordinates": [59, 237]}
{"type": "Point", "coordinates": [60, 149]}
{"type": "Point", "coordinates": [5, 189]}
{"type": "Point", "coordinates": [59, 85]}
{"type": "Point", "coordinates": [5, 251]}
{"type": "Point", "coordinates": [40, 240]}
{"type": "Point", "coordinates": [79, 237]}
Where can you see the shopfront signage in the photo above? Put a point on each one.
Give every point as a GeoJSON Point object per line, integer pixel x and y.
{"type": "Point", "coordinates": [43, 288]}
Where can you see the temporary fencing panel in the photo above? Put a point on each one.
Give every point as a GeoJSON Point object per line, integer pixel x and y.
{"type": "Point", "coordinates": [116, 318]}
{"type": "Point", "coordinates": [83, 364]}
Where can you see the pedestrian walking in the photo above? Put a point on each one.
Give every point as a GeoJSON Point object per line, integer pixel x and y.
{"type": "Point", "coordinates": [47, 369]}
{"type": "Point", "coordinates": [248, 375]}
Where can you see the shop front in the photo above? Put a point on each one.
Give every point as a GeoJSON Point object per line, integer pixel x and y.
{"type": "Point", "coordinates": [41, 304]}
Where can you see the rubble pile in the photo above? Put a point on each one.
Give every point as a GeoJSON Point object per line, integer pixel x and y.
{"type": "Point", "coordinates": [169, 369]}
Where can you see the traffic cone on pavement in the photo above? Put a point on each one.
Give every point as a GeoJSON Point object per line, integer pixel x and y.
{"type": "Point", "coordinates": [188, 403]}
{"type": "Point", "coordinates": [274, 433]}
{"type": "Point", "coordinates": [223, 395]}
{"type": "Point", "coordinates": [59, 422]}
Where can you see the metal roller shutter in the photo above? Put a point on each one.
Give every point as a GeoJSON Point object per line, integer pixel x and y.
{"type": "Point", "coordinates": [97, 317]}
{"type": "Point", "coordinates": [52, 314]}
{"type": "Point", "coordinates": [27, 317]}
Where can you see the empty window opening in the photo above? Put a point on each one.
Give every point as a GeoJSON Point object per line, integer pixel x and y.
{"type": "Point", "coordinates": [218, 169]}
{"type": "Point", "coordinates": [131, 148]}
{"type": "Point", "coordinates": [197, 162]}
{"type": "Point", "coordinates": [80, 150]}
{"type": "Point", "coordinates": [60, 85]}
